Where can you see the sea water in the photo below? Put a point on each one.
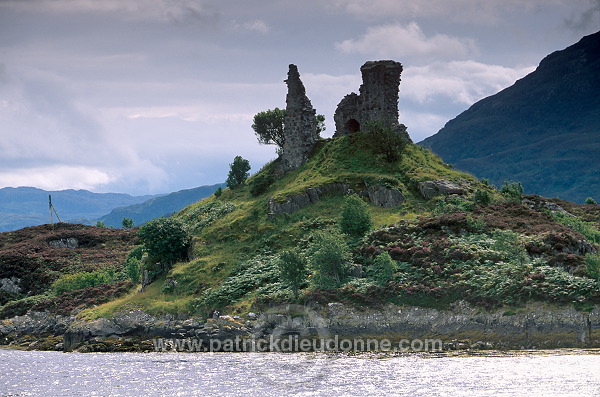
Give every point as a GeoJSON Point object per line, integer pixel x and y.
{"type": "Point", "coordinates": [532, 373]}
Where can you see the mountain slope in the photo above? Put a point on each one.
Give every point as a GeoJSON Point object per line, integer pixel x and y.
{"type": "Point", "coordinates": [543, 131]}
{"type": "Point", "coordinates": [158, 206]}
{"type": "Point", "coordinates": [28, 206]}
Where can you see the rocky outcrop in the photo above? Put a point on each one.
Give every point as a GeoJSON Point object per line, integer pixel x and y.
{"type": "Point", "coordinates": [538, 203]}
{"type": "Point", "coordinates": [70, 242]}
{"type": "Point", "coordinates": [383, 196]}
{"type": "Point", "coordinates": [430, 189]}
{"type": "Point", "coordinates": [310, 195]}
{"type": "Point", "coordinates": [378, 195]}
{"type": "Point", "coordinates": [10, 285]}
{"type": "Point", "coordinates": [377, 101]}
{"type": "Point", "coordinates": [300, 131]}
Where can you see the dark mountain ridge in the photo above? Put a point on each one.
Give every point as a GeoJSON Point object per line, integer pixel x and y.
{"type": "Point", "coordinates": [543, 131]}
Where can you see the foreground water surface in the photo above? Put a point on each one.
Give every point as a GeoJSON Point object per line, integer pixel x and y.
{"type": "Point", "coordinates": [539, 373]}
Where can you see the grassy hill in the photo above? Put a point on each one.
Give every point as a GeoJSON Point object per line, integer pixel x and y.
{"type": "Point", "coordinates": [543, 131]}
{"type": "Point", "coordinates": [483, 246]}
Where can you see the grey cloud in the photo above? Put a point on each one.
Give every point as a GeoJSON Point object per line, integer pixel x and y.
{"type": "Point", "coordinates": [590, 18]}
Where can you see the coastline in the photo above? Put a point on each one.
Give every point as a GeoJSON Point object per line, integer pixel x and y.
{"type": "Point", "coordinates": [462, 327]}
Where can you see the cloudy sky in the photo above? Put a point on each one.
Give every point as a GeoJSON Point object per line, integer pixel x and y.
{"type": "Point", "coordinates": [154, 96]}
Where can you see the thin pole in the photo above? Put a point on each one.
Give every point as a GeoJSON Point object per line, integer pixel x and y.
{"type": "Point", "coordinates": [50, 207]}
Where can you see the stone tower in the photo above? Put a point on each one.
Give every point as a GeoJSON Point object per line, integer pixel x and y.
{"type": "Point", "coordinates": [377, 101]}
{"type": "Point", "coordinates": [300, 122]}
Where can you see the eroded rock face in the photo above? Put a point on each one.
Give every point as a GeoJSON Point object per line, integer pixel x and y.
{"type": "Point", "coordinates": [300, 123]}
{"type": "Point", "coordinates": [430, 189]}
{"type": "Point", "coordinates": [377, 101]}
{"type": "Point", "coordinates": [385, 197]}
{"type": "Point", "coordinates": [378, 195]}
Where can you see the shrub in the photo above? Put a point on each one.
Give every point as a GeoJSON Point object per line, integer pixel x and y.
{"type": "Point", "coordinates": [132, 267]}
{"type": "Point", "coordinates": [165, 239]}
{"type": "Point", "coordinates": [590, 200]}
{"type": "Point", "coordinates": [482, 197]}
{"type": "Point", "coordinates": [588, 229]}
{"type": "Point", "coordinates": [330, 259]}
{"type": "Point", "coordinates": [593, 265]}
{"type": "Point", "coordinates": [238, 172]}
{"type": "Point", "coordinates": [80, 280]}
{"type": "Point", "coordinates": [508, 244]}
{"type": "Point", "coordinates": [355, 220]}
{"type": "Point", "coordinates": [260, 183]}
{"type": "Point", "coordinates": [292, 267]}
{"type": "Point", "coordinates": [512, 190]}
{"type": "Point", "coordinates": [260, 271]}
{"type": "Point", "coordinates": [452, 204]}
{"type": "Point", "coordinates": [127, 223]}
{"type": "Point", "coordinates": [206, 214]}
{"type": "Point", "coordinates": [385, 141]}
{"type": "Point", "coordinates": [218, 192]}
{"type": "Point", "coordinates": [383, 268]}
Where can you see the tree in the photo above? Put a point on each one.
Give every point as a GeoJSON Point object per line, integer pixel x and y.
{"type": "Point", "coordinates": [238, 172]}
{"type": "Point", "coordinates": [101, 224]}
{"type": "Point", "coordinates": [127, 223]}
{"type": "Point", "coordinates": [590, 200]}
{"type": "Point", "coordinates": [165, 239]}
{"type": "Point", "coordinates": [383, 268]}
{"type": "Point", "coordinates": [355, 220]}
{"type": "Point", "coordinates": [320, 123]}
{"type": "Point", "coordinates": [292, 266]}
{"type": "Point", "coordinates": [218, 192]}
{"type": "Point", "coordinates": [269, 127]}
{"type": "Point", "coordinates": [330, 259]}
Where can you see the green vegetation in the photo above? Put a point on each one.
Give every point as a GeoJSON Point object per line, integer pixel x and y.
{"type": "Point", "coordinates": [355, 220]}
{"type": "Point", "coordinates": [127, 223]}
{"type": "Point", "coordinates": [238, 172]}
{"type": "Point", "coordinates": [482, 246]}
{"type": "Point", "coordinates": [385, 141]}
{"type": "Point", "coordinates": [512, 190]}
{"type": "Point", "coordinates": [590, 200]}
{"type": "Point", "coordinates": [330, 259]}
{"type": "Point", "coordinates": [383, 268]}
{"type": "Point", "coordinates": [165, 239]}
{"type": "Point", "coordinates": [218, 192]}
{"type": "Point", "coordinates": [268, 127]}
{"type": "Point", "coordinates": [292, 266]}
{"type": "Point", "coordinates": [80, 280]}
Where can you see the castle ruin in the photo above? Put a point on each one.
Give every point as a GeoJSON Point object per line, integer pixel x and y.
{"type": "Point", "coordinates": [300, 123]}
{"type": "Point", "coordinates": [377, 101]}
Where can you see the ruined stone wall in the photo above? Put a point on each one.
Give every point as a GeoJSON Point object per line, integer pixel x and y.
{"type": "Point", "coordinates": [300, 123]}
{"type": "Point", "coordinates": [377, 101]}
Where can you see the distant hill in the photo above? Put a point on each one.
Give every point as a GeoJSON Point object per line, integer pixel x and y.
{"type": "Point", "coordinates": [543, 131]}
{"type": "Point", "coordinates": [28, 206]}
{"type": "Point", "coordinates": [158, 206]}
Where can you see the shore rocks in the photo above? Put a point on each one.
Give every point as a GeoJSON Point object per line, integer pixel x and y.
{"type": "Point", "coordinates": [536, 325]}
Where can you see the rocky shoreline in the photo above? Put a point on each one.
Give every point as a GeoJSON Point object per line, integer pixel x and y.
{"type": "Point", "coordinates": [462, 327]}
